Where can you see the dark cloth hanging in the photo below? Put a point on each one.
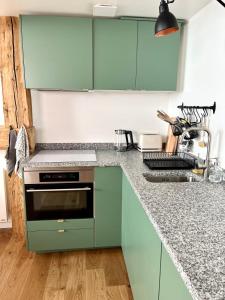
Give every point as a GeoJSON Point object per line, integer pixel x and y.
{"type": "Point", "coordinates": [11, 152]}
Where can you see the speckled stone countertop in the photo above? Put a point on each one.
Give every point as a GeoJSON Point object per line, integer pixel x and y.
{"type": "Point", "coordinates": [188, 217]}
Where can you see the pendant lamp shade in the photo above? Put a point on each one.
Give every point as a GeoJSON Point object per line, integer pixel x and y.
{"type": "Point", "coordinates": [166, 22]}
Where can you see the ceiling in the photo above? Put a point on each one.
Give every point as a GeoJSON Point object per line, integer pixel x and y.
{"type": "Point", "coordinates": [147, 8]}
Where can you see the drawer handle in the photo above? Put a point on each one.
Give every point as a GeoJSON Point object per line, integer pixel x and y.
{"type": "Point", "coordinates": [61, 231]}
{"type": "Point", "coordinates": [60, 221]}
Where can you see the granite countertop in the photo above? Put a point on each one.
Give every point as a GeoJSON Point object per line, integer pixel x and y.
{"type": "Point", "coordinates": [188, 217]}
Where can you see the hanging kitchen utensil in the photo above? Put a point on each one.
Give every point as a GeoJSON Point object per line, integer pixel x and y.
{"type": "Point", "coordinates": [196, 114]}
{"type": "Point", "coordinates": [184, 124]}
{"type": "Point", "coordinates": [178, 125]}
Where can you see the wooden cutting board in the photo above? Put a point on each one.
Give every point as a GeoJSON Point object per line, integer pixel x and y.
{"type": "Point", "coordinates": [172, 141]}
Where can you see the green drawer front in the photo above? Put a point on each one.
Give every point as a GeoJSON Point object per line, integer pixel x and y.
{"type": "Point", "coordinates": [60, 224]}
{"type": "Point", "coordinates": [54, 240]}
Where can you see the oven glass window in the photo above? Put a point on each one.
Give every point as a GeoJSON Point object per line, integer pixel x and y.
{"type": "Point", "coordinates": [59, 201]}
{"type": "Point", "coordinates": [45, 202]}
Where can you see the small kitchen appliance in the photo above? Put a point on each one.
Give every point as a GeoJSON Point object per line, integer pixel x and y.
{"type": "Point", "coordinates": [148, 142]}
{"type": "Point", "coordinates": [58, 194]}
{"type": "Point", "coordinates": [124, 140]}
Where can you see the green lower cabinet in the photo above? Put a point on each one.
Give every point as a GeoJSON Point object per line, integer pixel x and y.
{"type": "Point", "coordinates": [141, 247]}
{"type": "Point", "coordinates": [53, 240]}
{"type": "Point", "coordinates": [172, 286]}
{"type": "Point", "coordinates": [108, 206]}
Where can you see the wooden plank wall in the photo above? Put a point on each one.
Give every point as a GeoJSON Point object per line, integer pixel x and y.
{"type": "Point", "coordinates": [17, 109]}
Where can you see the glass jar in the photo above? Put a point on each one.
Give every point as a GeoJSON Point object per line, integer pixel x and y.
{"type": "Point", "coordinates": [215, 172]}
{"type": "Point", "coordinates": [224, 175]}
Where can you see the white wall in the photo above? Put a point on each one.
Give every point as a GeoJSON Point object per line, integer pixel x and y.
{"type": "Point", "coordinates": [204, 80]}
{"type": "Point", "coordinates": [69, 117]}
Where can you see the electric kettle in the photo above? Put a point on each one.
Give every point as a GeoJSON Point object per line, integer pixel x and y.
{"type": "Point", "coordinates": [124, 140]}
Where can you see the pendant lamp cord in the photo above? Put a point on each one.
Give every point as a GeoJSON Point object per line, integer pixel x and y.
{"type": "Point", "coordinates": [221, 2]}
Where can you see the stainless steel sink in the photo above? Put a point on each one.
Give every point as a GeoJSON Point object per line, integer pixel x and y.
{"type": "Point", "coordinates": [169, 178]}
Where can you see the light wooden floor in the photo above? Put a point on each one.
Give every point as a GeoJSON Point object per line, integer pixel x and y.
{"type": "Point", "coordinates": [77, 275]}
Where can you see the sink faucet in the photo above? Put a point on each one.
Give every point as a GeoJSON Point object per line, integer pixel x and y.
{"type": "Point", "coordinates": [204, 129]}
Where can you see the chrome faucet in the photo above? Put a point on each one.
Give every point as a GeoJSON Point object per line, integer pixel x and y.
{"type": "Point", "coordinates": [204, 129]}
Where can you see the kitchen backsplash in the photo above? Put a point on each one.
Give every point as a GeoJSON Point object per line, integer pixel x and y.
{"type": "Point", "coordinates": [71, 117]}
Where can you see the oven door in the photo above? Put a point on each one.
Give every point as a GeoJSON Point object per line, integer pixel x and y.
{"type": "Point", "coordinates": [59, 201]}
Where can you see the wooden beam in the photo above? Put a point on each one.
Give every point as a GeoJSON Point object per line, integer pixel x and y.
{"type": "Point", "coordinates": [17, 110]}
{"type": "Point", "coordinates": [4, 138]}
{"type": "Point", "coordinates": [8, 72]}
{"type": "Point", "coordinates": [16, 99]}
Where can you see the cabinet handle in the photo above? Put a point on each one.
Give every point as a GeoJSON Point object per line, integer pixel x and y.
{"type": "Point", "coordinates": [60, 221]}
{"type": "Point", "coordinates": [61, 231]}
{"type": "Point", "coordinates": [59, 190]}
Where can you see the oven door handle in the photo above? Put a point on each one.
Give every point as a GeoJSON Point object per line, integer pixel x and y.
{"type": "Point", "coordinates": [59, 190]}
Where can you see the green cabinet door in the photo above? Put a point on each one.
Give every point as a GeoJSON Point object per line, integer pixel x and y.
{"type": "Point", "coordinates": [141, 247]}
{"type": "Point", "coordinates": [172, 286]}
{"type": "Point", "coordinates": [108, 206]}
{"type": "Point", "coordinates": [115, 44]}
{"type": "Point", "coordinates": [57, 52]}
{"type": "Point", "coordinates": [157, 59]}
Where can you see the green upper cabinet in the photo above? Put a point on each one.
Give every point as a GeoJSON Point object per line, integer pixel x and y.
{"type": "Point", "coordinates": [157, 59]}
{"type": "Point", "coordinates": [74, 53]}
{"type": "Point", "coordinates": [108, 206]}
{"type": "Point", "coordinates": [115, 45]}
{"type": "Point", "coordinates": [57, 52]}
{"type": "Point", "coordinates": [172, 286]}
{"type": "Point", "coordinates": [141, 247]}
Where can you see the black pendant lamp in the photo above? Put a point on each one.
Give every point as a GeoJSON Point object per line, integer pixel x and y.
{"type": "Point", "coordinates": [166, 22]}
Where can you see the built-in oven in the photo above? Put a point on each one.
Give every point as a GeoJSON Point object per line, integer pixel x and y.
{"type": "Point", "coordinates": [59, 194]}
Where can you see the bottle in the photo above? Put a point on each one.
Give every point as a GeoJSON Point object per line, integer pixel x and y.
{"type": "Point", "coordinates": [199, 167]}
{"type": "Point", "coordinates": [215, 172]}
